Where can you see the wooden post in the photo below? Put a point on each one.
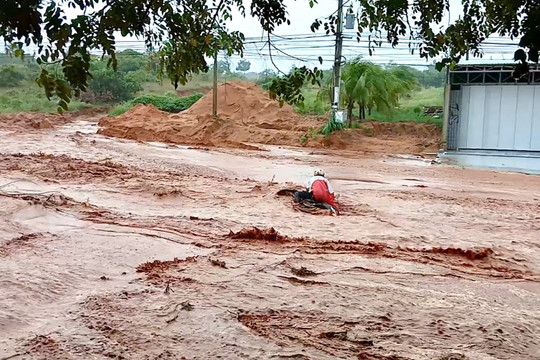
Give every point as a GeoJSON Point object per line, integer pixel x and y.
{"type": "Point", "coordinates": [214, 106]}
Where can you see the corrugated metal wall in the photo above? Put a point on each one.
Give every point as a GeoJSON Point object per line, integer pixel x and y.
{"type": "Point", "coordinates": [499, 117]}
{"type": "Point", "coordinates": [454, 113]}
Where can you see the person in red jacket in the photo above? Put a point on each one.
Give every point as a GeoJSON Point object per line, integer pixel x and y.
{"type": "Point", "coordinates": [322, 190]}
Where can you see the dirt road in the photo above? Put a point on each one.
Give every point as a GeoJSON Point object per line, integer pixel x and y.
{"type": "Point", "coordinates": [117, 249]}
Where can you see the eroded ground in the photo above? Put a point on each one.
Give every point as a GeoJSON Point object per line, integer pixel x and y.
{"type": "Point", "coordinates": [118, 249]}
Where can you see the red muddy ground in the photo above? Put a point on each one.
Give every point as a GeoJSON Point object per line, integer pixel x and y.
{"type": "Point", "coordinates": [113, 248]}
{"type": "Point", "coordinates": [247, 117]}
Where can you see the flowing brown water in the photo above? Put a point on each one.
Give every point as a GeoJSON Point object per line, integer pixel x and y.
{"type": "Point", "coordinates": [118, 249]}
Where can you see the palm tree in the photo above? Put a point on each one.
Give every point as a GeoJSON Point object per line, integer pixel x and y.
{"type": "Point", "coordinates": [367, 85]}
{"type": "Point", "coordinates": [371, 87]}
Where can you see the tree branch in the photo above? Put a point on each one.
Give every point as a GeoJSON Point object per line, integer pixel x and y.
{"type": "Point", "coordinates": [217, 11]}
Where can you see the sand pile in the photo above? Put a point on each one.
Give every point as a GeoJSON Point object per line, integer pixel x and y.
{"type": "Point", "coordinates": [377, 137]}
{"type": "Point", "coordinates": [32, 121]}
{"type": "Point", "coordinates": [246, 115]}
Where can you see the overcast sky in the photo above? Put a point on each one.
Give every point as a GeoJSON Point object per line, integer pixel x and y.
{"type": "Point", "coordinates": [307, 50]}
{"type": "Point", "coordinates": [302, 16]}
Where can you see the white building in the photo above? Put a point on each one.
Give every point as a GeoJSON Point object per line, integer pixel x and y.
{"type": "Point", "coordinates": [492, 120]}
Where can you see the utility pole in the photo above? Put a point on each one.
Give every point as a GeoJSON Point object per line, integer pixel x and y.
{"type": "Point", "coordinates": [214, 105]}
{"type": "Point", "coordinates": [337, 58]}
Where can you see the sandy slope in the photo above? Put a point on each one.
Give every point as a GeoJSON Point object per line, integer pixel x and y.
{"type": "Point", "coordinates": [248, 116]}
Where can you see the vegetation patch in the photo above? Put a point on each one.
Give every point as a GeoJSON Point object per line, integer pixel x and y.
{"type": "Point", "coordinates": [169, 103]}
{"type": "Point", "coordinates": [29, 97]}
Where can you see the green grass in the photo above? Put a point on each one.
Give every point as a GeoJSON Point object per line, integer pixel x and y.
{"type": "Point", "coordinates": [312, 106]}
{"type": "Point", "coordinates": [121, 108]}
{"type": "Point", "coordinates": [405, 115]}
{"type": "Point", "coordinates": [170, 103]}
{"type": "Point", "coordinates": [30, 97]}
{"type": "Point", "coordinates": [424, 97]}
{"type": "Point", "coordinates": [410, 108]}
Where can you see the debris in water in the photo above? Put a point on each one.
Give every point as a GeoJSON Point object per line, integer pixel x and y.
{"type": "Point", "coordinates": [186, 306]}
{"type": "Point", "coordinates": [219, 263]}
{"type": "Point", "coordinates": [255, 233]}
{"type": "Point", "coordinates": [160, 266]}
{"type": "Point", "coordinates": [471, 254]}
{"type": "Point", "coordinates": [303, 271]}
{"type": "Point", "coordinates": [168, 288]}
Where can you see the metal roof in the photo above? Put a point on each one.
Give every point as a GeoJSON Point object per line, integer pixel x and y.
{"type": "Point", "coordinates": [486, 62]}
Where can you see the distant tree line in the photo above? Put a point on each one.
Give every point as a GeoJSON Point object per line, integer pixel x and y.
{"type": "Point", "coordinates": [366, 86]}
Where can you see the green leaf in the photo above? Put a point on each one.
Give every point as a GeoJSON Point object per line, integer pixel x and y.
{"type": "Point", "coordinates": [520, 55]}
{"type": "Point", "coordinates": [533, 55]}
{"type": "Point", "coordinates": [320, 59]}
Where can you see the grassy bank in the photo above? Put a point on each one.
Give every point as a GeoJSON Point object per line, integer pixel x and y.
{"type": "Point", "coordinates": [30, 97]}
{"type": "Point", "coordinates": [411, 108]}
{"type": "Point", "coordinates": [169, 103]}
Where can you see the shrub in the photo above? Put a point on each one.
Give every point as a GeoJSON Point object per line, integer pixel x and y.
{"type": "Point", "coordinates": [169, 103]}
{"type": "Point", "coordinates": [140, 76]}
{"type": "Point", "coordinates": [108, 85]}
{"type": "Point", "coordinates": [29, 97]}
{"type": "Point", "coordinates": [121, 108]}
{"type": "Point", "coordinates": [313, 133]}
{"type": "Point", "coordinates": [11, 75]}
{"type": "Point", "coordinates": [331, 126]}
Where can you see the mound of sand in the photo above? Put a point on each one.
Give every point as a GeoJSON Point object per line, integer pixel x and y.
{"type": "Point", "coordinates": [32, 121]}
{"type": "Point", "coordinates": [377, 137]}
{"type": "Point", "coordinates": [247, 115]}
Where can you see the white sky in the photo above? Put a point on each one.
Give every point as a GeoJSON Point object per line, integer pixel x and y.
{"type": "Point", "coordinates": [302, 16]}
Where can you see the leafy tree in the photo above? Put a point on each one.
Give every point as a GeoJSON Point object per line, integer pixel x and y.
{"type": "Point", "coordinates": [130, 60]}
{"type": "Point", "coordinates": [12, 74]}
{"type": "Point", "coordinates": [243, 65]}
{"type": "Point", "coordinates": [388, 20]}
{"type": "Point", "coordinates": [426, 78]}
{"type": "Point", "coordinates": [431, 78]}
{"type": "Point", "coordinates": [108, 85]}
{"type": "Point", "coordinates": [401, 80]}
{"type": "Point", "coordinates": [267, 73]}
{"type": "Point", "coordinates": [265, 78]}
{"type": "Point", "coordinates": [184, 33]}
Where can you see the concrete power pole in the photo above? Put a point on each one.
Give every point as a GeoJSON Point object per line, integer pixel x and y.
{"type": "Point", "coordinates": [337, 58]}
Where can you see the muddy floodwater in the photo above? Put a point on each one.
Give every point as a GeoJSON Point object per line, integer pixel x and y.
{"type": "Point", "coordinates": [113, 248]}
